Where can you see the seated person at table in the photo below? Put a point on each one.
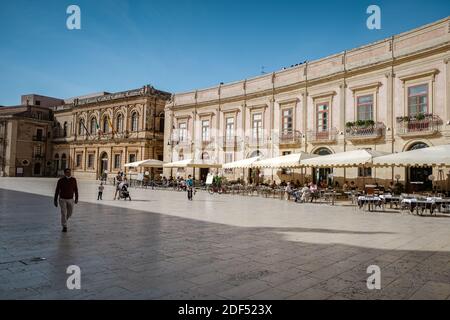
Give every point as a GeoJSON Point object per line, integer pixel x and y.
{"type": "Point", "coordinates": [353, 186]}
{"type": "Point", "coordinates": [345, 187]}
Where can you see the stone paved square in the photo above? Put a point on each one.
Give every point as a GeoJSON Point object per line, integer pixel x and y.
{"type": "Point", "coordinates": [160, 246]}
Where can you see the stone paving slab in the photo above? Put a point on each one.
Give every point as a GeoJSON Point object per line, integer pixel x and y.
{"type": "Point", "coordinates": [216, 247]}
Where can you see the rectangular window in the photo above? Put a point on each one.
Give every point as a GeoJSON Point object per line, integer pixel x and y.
{"type": "Point", "coordinates": [132, 157]}
{"type": "Point", "coordinates": [37, 151]}
{"type": "Point", "coordinates": [117, 161]}
{"type": "Point", "coordinates": [78, 160]}
{"type": "Point", "coordinates": [287, 121]}
{"type": "Point", "coordinates": [322, 117]}
{"type": "Point", "coordinates": [418, 99]}
{"type": "Point", "coordinates": [229, 129]}
{"type": "Point", "coordinates": [257, 126]}
{"type": "Point", "coordinates": [228, 157]}
{"type": "Point", "coordinates": [91, 160]}
{"type": "Point", "coordinates": [205, 130]}
{"type": "Point", "coordinates": [182, 132]}
{"type": "Point", "coordinates": [364, 107]}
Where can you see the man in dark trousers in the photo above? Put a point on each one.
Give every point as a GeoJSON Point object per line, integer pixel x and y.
{"type": "Point", "coordinates": [65, 190]}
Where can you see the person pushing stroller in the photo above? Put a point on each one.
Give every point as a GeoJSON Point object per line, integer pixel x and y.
{"type": "Point", "coordinates": [123, 190]}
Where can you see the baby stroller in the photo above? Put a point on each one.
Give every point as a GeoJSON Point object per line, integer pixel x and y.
{"type": "Point", "coordinates": [123, 193]}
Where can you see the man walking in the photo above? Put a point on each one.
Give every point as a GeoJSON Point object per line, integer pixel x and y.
{"type": "Point", "coordinates": [65, 190]}
{"type": "Point", "coordinates": [189, 187]}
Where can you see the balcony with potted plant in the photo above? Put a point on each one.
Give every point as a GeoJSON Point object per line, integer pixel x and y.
{"type": "Point", "coordinates": [422, 124]}
{"type": "Point", "coordinates": [363, 130]}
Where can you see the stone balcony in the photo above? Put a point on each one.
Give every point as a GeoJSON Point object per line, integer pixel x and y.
{"type": "Point", "coordinates": [233, 142]}
{"type": "Point", "coordinates": [357, 133]}
{"type": "Point", "coordinates": [418, 126]}
{"type": "Point", "coordinates": [290, 138]}
{"type": "Point", "coordinates": [322, 137]}
{"type": "Point", "coordinates": [257, 141]}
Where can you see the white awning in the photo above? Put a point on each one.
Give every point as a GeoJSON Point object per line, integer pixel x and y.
{"type": "Point", "coordinates": [241, 164]}
{"type": "Point", "coordinates": [191, 163]}
{"type": "Point", "coordinates": [287, 161]}
{"type": "Point", "coordinates": [150, 163]}
{"type": "Point", "coordinates": [438, 156]}
{"type": "Point", "coordinates": [354, 158]}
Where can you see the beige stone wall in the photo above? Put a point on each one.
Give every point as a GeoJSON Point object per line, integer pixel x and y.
{"type": "Point", "coordinates": [384, 69]}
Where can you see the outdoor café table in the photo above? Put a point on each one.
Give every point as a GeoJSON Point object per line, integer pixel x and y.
{"type": "Point", "coordinates": [388, 198]}
{"type": "Point", "coordinates": [441, 203]}
{"type": "Point", "coordinates": [420, 205]}
{"type": "Point", "coordinates": [330, 196]}
{"type": "Point", "coordinates": [371, 201]}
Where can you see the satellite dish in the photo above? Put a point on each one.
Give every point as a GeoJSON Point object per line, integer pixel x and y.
{"type": "Point", "coordinates": [431, 177]}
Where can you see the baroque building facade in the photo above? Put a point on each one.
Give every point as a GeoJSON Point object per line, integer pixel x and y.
{"type": "Point", "coordinates": [392, 95]}
{"type": "Point", "coordinates": [101, 133]}
{"type": "Point", "coordinates": [25, 137]}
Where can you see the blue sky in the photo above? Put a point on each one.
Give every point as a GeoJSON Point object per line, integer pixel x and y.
{"type": "Point", "coordinates": [180, 45]}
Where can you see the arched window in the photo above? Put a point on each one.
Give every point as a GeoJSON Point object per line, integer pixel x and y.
{"type": "Point", "coordinates": [418, 145]}
{"type": "Point", "coordinates": [105, 126]}
{"type": "Point", "coordinates": [93, 127]}
{"type": "Point", "coordinates": [81, 127]}
{"type": "Point", "coordinates": [205, 156]}
{"type": "Point", "coordinates": [322, 151]}
{"type": "Point", "coordinates": [134, 121]}
{"type": "Point", "coordinates": [65, 129]}
{"type": "Point", "coordinates": [119, 123]}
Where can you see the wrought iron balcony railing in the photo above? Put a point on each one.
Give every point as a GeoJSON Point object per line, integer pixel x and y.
{"type": "Point", "coordinates": [326, 136]}
{"type": "Point", "coordinates": [39, 138]}
{"type": "Point", "coordinates": [291, 137]}
{"type": "Point", "coordinates": [257, 141]}
{"type": "Point", "coordinates": [364, 132]}
{"type": "Point", "coordinates": [418, 126]}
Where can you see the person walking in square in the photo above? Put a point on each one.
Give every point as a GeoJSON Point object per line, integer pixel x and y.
{"type": "Point", "coordinates": [66, 190]}
{"type": "Point", "coordinates": [189, 187]}
{"type": "Point", "coordinates": [101, 187]}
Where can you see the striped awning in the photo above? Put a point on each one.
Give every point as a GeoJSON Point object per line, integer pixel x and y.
{"type": "Point", "coordinates": [241, 164]}
{"type": "Point", "coordinates": [287, 161]}
{"type": "Point", "coordinates": [437, 156]}
{"type": "Point", "coordinates": [191, 163]}
{"type": "Point", "coordinates": [354, 158]}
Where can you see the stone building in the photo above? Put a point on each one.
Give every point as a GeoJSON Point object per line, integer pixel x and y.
{"type": "Point", "coordinates": [25, 131]}
{"type": "Point", "coordinates": [102, 132]}
{"type": "Point", "coordinates": [392, 95]}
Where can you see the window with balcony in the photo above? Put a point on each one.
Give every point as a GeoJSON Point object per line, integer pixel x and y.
{"type": "Point", "coordinates": [117, 161]}
{"type": "Point", "coordinates": [418, 100]}
{"type": "Point", "coordinates": [105, 125]}
{"type": "Point", "coordinates": [134, 121]}
{"type": "Point", "coordinates": [257, 127]}
{"type": "Point", "coordinates": [81, 126]}
{"type": "Point", "coordinates": [205, 131]}
{"type": "Point", "coordinates": [78, 160]}
{"type": "Point", "coordinates": [93, 127]}
{"type": "Point", "coordinates": [119, 123]}
{"type": "Point", "coordinates": [91, 160]}
{"type": "Point", "coordinates": [322, 117]}
{"type": "Point", "coordinates": [287, 122]}
{"type": "Point", "coordinates": [182, 132]}
{"type": "Point", "coordinates": [229, 129]}
{"type": "Point", "coordinates": [364, 107]}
